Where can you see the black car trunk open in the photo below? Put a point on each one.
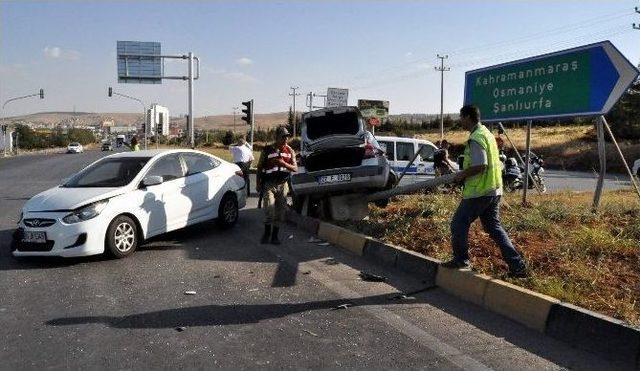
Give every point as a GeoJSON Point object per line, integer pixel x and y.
{"type": "Point", "coordinates": [345, 123]}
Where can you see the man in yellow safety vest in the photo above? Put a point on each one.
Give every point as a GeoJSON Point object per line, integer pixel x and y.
{"type": "Point", "coordinates": [482, 177]}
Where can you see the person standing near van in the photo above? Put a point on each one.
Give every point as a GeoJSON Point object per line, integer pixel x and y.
{"type": "Point", "coordinates": [482, 177]}
{"type": "Point", "coordinates": [277, 162]}
{"type": "Point", "coordinates": [243, 157]}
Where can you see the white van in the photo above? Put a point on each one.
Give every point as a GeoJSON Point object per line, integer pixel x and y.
{"type": "Point", "coordinates": [400, 151]}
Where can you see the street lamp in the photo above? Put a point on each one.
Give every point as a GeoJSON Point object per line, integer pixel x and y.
{"type": "Point", "coordinates": [111, 93]}
{"type": "Point", "coordinates": [4, 128]}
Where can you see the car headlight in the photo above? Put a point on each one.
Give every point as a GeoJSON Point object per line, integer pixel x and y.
{"type": "Point", "coordinates": [86, 212]}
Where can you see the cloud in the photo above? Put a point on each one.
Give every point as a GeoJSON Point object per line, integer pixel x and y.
{"type": "Point", "coordinates": [244, 61]}
{"type": "Point", "coordinates": [56, 52]}
{"type": "Point", "coordinates": [408, 55]}
{"type": "Point", "coordinates": [239, 77]}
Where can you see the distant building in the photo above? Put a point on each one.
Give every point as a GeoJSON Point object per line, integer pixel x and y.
{"type": "Point", "coordinates": [175, 130]}
{"type": "Point", "coordinates": [158, 117]}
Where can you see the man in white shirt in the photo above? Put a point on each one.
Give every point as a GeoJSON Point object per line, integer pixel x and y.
{"type": "Point", "coordinates": [243, 156]}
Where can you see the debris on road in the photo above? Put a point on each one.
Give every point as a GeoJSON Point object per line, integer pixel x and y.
{"type": "Point", "coordinates": [306, 272]}
{"type": "Point", "coordinates": [365, 276]}
{"type": "Point", "coordinates": [251, 290]}
{"type": "Point", "coordinates": [181, 328]}
{"type": "Point", "coordinates": [313, 240]}
{"type": "Point", "coordinates": [324, 244]}
{"type": "Point", "coordinates": [216, 276]}
{"type": "Point", "coordinates": [189, 292]}
{"type": "Point", "coordinates": [343, 306]}
{"type": "Point", "coordinates": [402, 297]}
{"type": "Point", "coordinates": [290, 237]}
{"type": "Point", "coordinates": [310, 333]}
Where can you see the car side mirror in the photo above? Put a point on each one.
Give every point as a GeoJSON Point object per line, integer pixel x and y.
{"type": "Point", "coordinates": [151, 180]}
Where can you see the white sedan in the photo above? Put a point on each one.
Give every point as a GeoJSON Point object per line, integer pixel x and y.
{"type": "Point", "coordinates": [120, 200]}
{"type": "Point", "coordinates": [75, 148]}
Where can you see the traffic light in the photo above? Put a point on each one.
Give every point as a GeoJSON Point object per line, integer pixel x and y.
{"type": "Point", "coordinates": [110, 91]}
{"type": "Point", "coordinates": [248, 111]}
{"type": "Point", "coordinates": [41, 93]}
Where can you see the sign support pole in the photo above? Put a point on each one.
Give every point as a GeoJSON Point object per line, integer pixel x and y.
{"type": "Point", "coordinates": [626, 166]}
{"type": "Point", "coordinates": [603, 164]}
{"type": "Point", "coordinates": [526, 165]}
{"type": "Point", "coordinates": [190, 123]}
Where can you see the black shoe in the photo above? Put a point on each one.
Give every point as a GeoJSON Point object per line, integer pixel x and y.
{"type": "Point", "coordinates": [266, 235]}
{"type": "Point", "coordinates": [518, 273]}
{"type": "Point", "coordinates": [274, 236]}
{"type": "Point", "coordinates": [456, 264]}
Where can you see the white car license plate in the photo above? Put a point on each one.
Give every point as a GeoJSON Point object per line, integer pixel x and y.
{"type": "Point", "coordinates": [338, 178]}
{"type": "Point", "coordinates": [34, 237]}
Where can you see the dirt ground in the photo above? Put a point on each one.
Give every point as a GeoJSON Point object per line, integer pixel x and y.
{"type": "Point", "coordinates": [591, 260]}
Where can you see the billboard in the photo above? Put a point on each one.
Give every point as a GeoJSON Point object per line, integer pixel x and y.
{"type": "Point", "coordinates": [374, 111]}
{"type": "Point", "coordinates": [337, 97]}
{"type": "Point", "coordinates": [139, 62]}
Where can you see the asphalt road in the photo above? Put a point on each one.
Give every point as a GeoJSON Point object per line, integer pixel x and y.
{"type": "Point", "coordinates": [256, 306]}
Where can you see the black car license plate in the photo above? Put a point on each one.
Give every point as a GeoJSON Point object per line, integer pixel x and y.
{"type": "Point", "coordinates": [337, 178]}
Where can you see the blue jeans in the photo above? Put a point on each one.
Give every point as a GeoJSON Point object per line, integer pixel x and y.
{"type": "Point", "coordinates": [487, 209]}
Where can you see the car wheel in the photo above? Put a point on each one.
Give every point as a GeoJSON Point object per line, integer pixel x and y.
{"type": "Point", "coordinates": [122, 237]}
{"type": "Point", "coordinates": [228, 211]}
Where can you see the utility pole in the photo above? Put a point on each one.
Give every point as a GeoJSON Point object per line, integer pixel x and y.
{"type": "Point", "coordinates": [442, 70]}
{"type": "Point", "coordinates": [294, 95]}
{"type": "Point", "coordinates": [310, 101]}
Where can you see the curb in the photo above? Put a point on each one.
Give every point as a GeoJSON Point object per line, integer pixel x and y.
{"type": "Point", "coordinates": [579, 327]}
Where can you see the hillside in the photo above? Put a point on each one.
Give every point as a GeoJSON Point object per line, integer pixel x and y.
{"type": "Point", "coordinates": [265, 121]}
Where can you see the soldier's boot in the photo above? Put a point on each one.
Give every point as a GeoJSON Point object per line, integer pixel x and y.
{"type": "Point", "coordinates": [266, 235]}
{"type": "Point", "coordinates": [274, 236]}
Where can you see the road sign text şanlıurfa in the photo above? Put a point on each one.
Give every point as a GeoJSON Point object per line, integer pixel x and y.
{"type": "Point", "coordinates": [582, 81]}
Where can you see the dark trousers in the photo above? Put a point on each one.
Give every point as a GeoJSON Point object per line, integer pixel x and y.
{"type": "Point", "coordinates": [244, 166]}
{"type": "Point", "coordinates": [487, 209]}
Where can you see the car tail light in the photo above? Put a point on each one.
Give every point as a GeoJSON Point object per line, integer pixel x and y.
{"type": "Point", "coordinates": [239, 173]}
{"type": "Point", "coordinates": [369, 150]}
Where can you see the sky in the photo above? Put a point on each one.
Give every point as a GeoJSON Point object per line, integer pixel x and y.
{"type": "Point", "coordinates": [259, 49]}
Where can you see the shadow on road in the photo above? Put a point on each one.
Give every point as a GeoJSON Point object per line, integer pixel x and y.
{"type": "Point", "coordinates": [219, 315]}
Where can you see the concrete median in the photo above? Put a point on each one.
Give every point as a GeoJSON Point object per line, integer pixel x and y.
{"type": "Point", "coordinates": [521, 305]}
{"type": "Point", "coordinates": [463, 284]}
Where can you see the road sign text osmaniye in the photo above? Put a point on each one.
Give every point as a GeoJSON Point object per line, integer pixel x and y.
{"type": "Point", "coordinates": [587, 80]}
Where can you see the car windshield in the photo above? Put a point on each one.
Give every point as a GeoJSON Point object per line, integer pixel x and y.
{"type": "Point", "coordinates": [109, 172]}
{"type": "Point", "coordinates": [332, 124]}
{"type": "Point", "coordinates": [74, 144]}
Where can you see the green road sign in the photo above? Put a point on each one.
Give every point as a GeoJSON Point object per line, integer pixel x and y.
{"type": "Point", "coordinates": [587, 80]}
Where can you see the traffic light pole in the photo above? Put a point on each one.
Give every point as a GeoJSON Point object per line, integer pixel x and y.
{"type": "Point", "coordinates": [252, 123]}
{"type": "Point", "coordinates": [145, 124]}
{"type": "Point", "coordinates": [40, 94]}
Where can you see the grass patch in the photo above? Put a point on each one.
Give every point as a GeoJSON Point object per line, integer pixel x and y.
{"type": "Point", "coordinates": [590, 260]}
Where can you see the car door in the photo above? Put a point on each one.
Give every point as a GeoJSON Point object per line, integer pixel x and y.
{"type": "Point", "coordinates": [203, 183]}
{"type": "Point", "coordinates": [165, 203]}
{"type": "Point", "coordinates": [390, 150]}
{"type": "Point", "coordinates": [426, 152]}
{"type": "Point", "coordinates": [404, 154]}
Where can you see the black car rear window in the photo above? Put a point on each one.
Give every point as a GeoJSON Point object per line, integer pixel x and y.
{"type": "Point", "coordinates": [332, 124]}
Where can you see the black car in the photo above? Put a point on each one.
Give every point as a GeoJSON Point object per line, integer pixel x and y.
{"type": "Point", "coordinates": [107, 146]}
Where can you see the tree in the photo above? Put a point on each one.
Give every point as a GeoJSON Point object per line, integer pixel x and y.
{"type": "Point", "coordinates": [290, 119]}
{"type": "Point", "coordinates": [624, 118]}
